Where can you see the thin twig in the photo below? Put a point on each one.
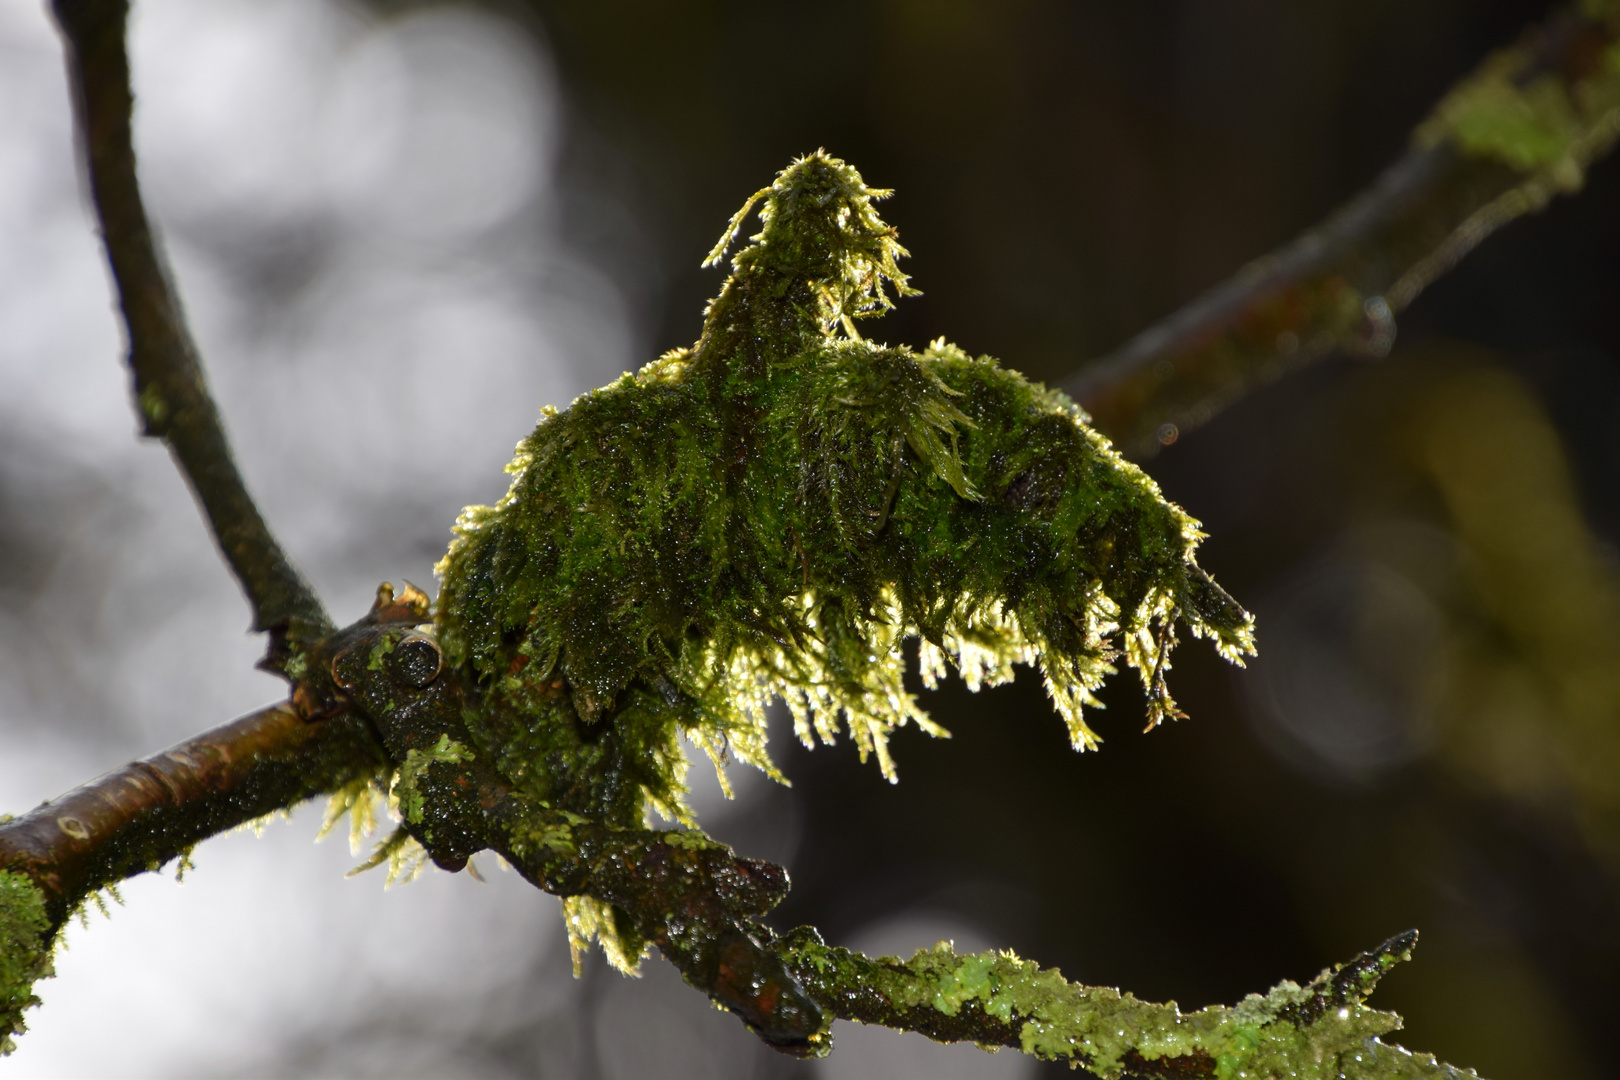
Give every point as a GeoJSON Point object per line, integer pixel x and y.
{"type": "Point", "coordinates": [1339, 285]}
{"type": "Point", "coordinates": [171, 392]}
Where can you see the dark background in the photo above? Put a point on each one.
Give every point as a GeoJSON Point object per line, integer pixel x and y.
{"type": "Point", "coordinates": [1068, 172]}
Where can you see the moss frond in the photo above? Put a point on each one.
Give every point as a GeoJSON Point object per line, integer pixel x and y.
{"type": "Point", "coordinates": [405, 856]}
{"type": "Point", "coordinates": [359, 801]}
{"type": "Point", "coordinates": [588, 920]}
{"type": "Point", "coordinates": [819, 230]}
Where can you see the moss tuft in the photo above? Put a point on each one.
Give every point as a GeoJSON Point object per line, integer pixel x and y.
{"type": "Point", "coordinates": [25, 952]}
{"type": "Point", "coordinates": [774, 511]}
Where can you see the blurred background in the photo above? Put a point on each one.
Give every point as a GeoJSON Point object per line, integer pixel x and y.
{"type": "Point", "coordinates": [402, 228]}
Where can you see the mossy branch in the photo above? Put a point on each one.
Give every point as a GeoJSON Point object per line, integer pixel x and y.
{"type": "Point", "coordinates": [699, 903]}
{"type": "Point", "coordinates": [799, 501]}
{"type": "Point", "coordinates": [170, 390]}
{"type": "Point", "coordinates": [1315, 1032]}
{"type": "Point", "coordinates": [1521, 130]}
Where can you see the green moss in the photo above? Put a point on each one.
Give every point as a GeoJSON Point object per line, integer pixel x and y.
{"type": "Point", "coordinates": [25, 952]}
{"type": "Point", "coordinates": [415, 767]}
{"type": "Point", "coordinates": [692, 840]}
{"type": "Point", "coordinates": [153, 406]}
{"type": "Point", "coordinates": [774, 511]}
{"type": "Point", "coordinates": [588, 920]}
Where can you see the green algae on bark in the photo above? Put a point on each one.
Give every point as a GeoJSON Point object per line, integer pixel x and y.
{"type": "Point", "coordinates": [775, 510]}
{"type": "Point", "coordinates": [26, 943]}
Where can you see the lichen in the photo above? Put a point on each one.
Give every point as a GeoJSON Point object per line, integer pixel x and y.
{"type": "Point", "coordinates": [26, 944]}
{"type": "Point", "coordinates": [1316, 1032]}
{"type": "Point", "coordinates": [1526, 127]}
{"type": "Point", "coordinates": [776, 510]}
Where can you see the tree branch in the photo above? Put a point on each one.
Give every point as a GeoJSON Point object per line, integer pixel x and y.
{"type": "Point", "coordinates": [693, 898]}
{"type": "Point", "coordinates": [170, 390]}
{"type": "Point", "coordinates": [1219, 344]}
{"type": "Point", "coordinates": [140, 816]}
{"type": "Point", "coordinates": [997, 1000]}
{"type": "Point", "coordinates": [1519, 131]}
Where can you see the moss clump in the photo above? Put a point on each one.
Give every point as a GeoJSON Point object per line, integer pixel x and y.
{"type": "Point", "coordinates": [25, 952]}
{"type": "Point", "coordinates": [775, 510]}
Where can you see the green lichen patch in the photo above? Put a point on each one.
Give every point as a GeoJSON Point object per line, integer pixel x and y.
{"type": "Point", "coordinates": [1315, 1032]}
{"type": "Point", "coordinates": [25, 952]}
{"type": "Point", "coordinates": [776, 510]}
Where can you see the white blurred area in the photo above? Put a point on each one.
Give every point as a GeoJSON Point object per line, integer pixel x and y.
{"type": "Point", "coordinates": [361, 216]}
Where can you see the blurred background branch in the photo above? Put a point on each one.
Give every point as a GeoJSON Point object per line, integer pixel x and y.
{"type": "Point", "coordinates": [1519, 131]}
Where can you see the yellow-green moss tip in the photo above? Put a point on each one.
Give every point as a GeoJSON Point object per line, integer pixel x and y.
{"type": "Point", "coordinates": [25, 952]}
{"type": "Point", "coordinates": [774, 511]}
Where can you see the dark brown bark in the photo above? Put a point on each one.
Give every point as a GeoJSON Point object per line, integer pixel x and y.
{"type": "Point", "coordinates": [152, 811]}
{"type": "Point", "coordinates": [171, 392]}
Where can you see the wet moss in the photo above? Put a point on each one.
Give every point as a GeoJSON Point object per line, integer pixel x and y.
{"type": "Point", "coordinates": [775, 510]}
{"type": "Point", "coordinates": [26, 944]}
